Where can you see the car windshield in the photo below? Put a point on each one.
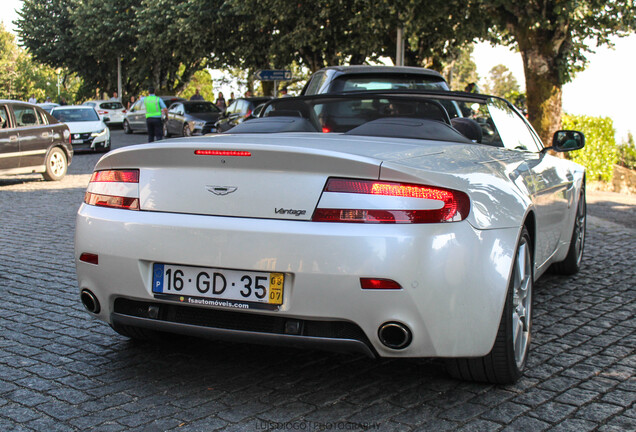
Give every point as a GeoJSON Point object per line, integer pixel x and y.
{"type": "Point", "coordinates": [201, 107]}
{"type": "Point", "coordinates": [111, 105]}
{"type": "Point", "coordinates": [75, 115]}
{"type": "Point", "coordinates": [366, 82]}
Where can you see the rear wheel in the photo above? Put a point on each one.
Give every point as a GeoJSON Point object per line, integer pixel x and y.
{"type": "Point", "coordinates": [166, 133]}
{"type": "Point", "coordinates": [186, 131]}
{"type": "Point", "coordinates": [507, 359]}
{"type": "Point", "coordinates": [56, 165]}
{"type": "Point", "coordinates": [126, 126]}
{"type": "Point", "coordinates": [572, 262]}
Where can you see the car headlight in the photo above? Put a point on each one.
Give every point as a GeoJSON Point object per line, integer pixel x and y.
{"type": "Point", "coordinates": [199, 123]}
{"type": "Point", "coordinates": [98, 133]}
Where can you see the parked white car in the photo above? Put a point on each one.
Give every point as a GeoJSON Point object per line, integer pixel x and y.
{"type": "Point", "coordinates": [364, 221]}
{"type": "Point", "coordinates": [88, 130]}
{"type": "Point", "coordinates": [113, 110]}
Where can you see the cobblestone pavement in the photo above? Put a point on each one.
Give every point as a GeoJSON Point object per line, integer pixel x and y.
{"type": "Point", "coordinates": [60, 370]}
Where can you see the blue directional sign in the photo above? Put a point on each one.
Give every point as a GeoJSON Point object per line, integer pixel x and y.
{"type": "Point", "coordinates": [273, 75]}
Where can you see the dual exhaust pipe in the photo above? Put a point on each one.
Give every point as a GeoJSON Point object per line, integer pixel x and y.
{"type": "Point", "coordinates": [395, 335]}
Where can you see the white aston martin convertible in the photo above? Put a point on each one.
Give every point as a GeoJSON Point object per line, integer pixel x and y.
{"type": "Point", "coordinates": [392, 224]}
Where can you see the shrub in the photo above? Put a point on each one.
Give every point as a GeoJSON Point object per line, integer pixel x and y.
{"type": "Point", "coordinates": [600, 152]}
{"type": "Point", "coordinates": [627, 153]}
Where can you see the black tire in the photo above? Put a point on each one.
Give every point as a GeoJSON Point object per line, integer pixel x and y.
{"type": "Point", "coordinates": [186, 131]}
{"type": "Point", "coordinates": [56, 165]}
{"type": "Point", "coordinates": [136, 333]}
{"type": "Point", "coordinates": [572, 262]}
{"type": "Point", "coordinates": [127, 128]}
{"type": "Point", "coordinates": [505, 362]}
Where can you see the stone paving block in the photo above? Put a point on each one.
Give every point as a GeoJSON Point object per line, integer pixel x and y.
{"type": "Point", "coordinates": [479, 425]}
{"type": "Point", "coordinates": [620, 423]}
{"type": "Point", "coordinates": [526, 424]}
{"type": "Point", "coordinates": [552, 412]}
{"type": "Point", "coordinates": [505, 413]}
{"type": "Point", "coordinates": [574, 425]}
{"type": "Point", "coordinates": [597, 411]}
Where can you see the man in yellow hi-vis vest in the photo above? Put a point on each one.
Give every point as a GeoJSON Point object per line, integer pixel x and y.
{"type": "Point", "coordinates": [154, 108]}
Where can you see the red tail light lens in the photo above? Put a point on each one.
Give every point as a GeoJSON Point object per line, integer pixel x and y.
{"type": "Point", "coordinates": [222, 153]}
{"type": "Point", "coordinates": [111, 201]}
{"type": "Point", "coordinates": [441, 205]}
{"type": "Point", "coordinates": [124, 176]}
{"type": "Point", "coordinates": [368, 283]}
{"type": "Point", "coordinates": [114, 188]}
{"type": "Point", "coordinates": [89, 258]}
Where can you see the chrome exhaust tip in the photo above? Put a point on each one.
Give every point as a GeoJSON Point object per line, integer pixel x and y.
{"type": "Point", "coordinates": [395, 335]}
{"type": "Point", "coordinates": [89, 301]}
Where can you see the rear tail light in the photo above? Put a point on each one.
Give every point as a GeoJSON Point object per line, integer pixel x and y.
{"type": "Point", "coordinates": [389, 202]}
{"type": "Point", "coordinates": [114, 188]}
{"type": "Point", "coordinates": [369, 283]}
{"type": "Point", "coordinates": [102, 112]}
{"type": "Point", "coordinates": [222, 153]}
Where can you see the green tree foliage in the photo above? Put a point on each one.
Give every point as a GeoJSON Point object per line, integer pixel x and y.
{"type": "Point", "coordinates": [501, 82]}
{"type": "Point", "coordinates": [600, 152]}
{"type": "Point", "coordinates": [9, 54]}
{"type": "Point", "coordinates": [462, 70]}
{"type": "Point", "coordinates": [553, 37]}
{"type": "Point", "coordinates": [88, 36]}
{"type": "Point", "coordinates": [627, 153]}
{"type": "Point", "coordinates": [200, 80]}
{"type": "Point", "coordinates": [22, 77]}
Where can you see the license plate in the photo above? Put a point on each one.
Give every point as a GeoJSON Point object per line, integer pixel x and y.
{"type": "Point", "coordinates": [78, 141]}
{"type": "Point", "coordinates": [212, 286]}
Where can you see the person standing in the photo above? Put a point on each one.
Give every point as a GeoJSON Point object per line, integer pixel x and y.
{"type": "Point", "coordinates": [220, 102]}
{"type": "Point", "coordinates": [231, 99]}
{"type": "Point", "coordinates": [131, 102]}
{"type": "Point", "coordinates": [33, 100]}
{"type": "Point", "coordinates": [196, 96]}
{"type": "Point", "coordinates": [154, 108]}
{"type": "Point", "coordinates": [114, 98]}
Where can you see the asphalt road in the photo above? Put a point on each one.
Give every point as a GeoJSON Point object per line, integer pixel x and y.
{"type": "Point", "coordinates": [60, 370]}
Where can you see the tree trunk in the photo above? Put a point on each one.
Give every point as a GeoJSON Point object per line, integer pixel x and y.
{"type": "Point", "coordinates": [541, 54]}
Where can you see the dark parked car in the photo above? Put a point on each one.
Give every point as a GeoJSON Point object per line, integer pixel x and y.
{"type": "Point", "coordinates": [32, 141]}
{"type": "Point", "coordinates": [135, 119]}
{"type": "Point", "coordinates": [335, 79]}
{"type": "Point", "coordinates": [239, 111]}
{"type": "Point", "coordinates": [191, 118]}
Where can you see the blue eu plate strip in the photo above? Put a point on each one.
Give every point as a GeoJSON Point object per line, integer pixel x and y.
{"type": "Point", "coordinates": [157, 278]}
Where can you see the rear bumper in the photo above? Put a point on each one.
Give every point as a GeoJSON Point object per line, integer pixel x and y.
{"type": "Point", "coordinates": [454, 277]}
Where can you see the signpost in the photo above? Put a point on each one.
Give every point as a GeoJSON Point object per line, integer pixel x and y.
{"type": "Point", "coordinates": [273, 75]}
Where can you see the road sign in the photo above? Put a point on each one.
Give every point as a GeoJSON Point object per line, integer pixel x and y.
{"type": "Point", "coordinates": [273, 75]}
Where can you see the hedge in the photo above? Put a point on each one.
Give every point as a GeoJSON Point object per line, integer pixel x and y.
{"type": "Point", "coordinates": [600, 152]}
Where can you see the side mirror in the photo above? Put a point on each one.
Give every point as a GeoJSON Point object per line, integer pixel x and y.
{"type": "Point", "coordinates": [567, 140]}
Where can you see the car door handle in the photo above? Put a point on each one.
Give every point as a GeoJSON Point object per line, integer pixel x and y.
{"type": "Point", "coordinates": [13, 138]}
{"type": "Point", "coordinates": [45, 135]}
